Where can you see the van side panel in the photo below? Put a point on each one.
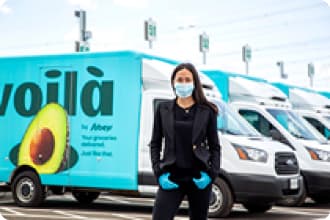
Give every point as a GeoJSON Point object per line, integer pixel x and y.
{"type": "Point", "coordinates": [222, 81]}
{"type": "Point", "coordinates": [100, 94]}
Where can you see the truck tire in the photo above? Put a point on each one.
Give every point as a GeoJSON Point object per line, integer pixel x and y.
{"type": "Point", "coordinates": [257, 207]}
{"type": "Point", "coordinates": [27, 189]}
{"type": "Point", "coordinates": [85, 197]}
{"type": "Point", "coordinates": [294, 201]}
{"type": "Point", "coordinates": [221, 201]}
{"type": "Point", "coordinates": [321, 199]}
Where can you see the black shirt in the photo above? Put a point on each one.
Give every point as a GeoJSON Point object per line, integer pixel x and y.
{"type": "Point", "coordinates": [186, 164]}
{"type": "Point", "coordinates": [184, 119]}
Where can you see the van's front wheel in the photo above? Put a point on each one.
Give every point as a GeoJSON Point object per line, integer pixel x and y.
{"type": "Point", "coordinates": [257, 207]}
{"type": "Point", "coordinates": [321, 199]}
{"type": "Point", "coordinates": [221, 201]}
{"type": "Point", "coordinates": [27, 189]}
{"type": "Point", "coordinates": [85, 197]}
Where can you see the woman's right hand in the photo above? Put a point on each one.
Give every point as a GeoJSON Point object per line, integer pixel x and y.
{"type": "Point", "coordinates": [166, 183]}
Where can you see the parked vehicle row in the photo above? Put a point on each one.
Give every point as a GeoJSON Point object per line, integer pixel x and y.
{"type": "Point", "coordinates": [269, 111]}
{"type": "Point", "coordinates": [82, 123]}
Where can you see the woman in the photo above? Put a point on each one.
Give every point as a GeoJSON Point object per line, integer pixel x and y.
{"type": "Point", "coordinates": [191, 157]}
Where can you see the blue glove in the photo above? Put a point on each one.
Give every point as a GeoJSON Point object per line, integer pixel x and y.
{"type": "Point", "coordinates": [202, 182]}
{"type": "Point", "coordinates": [166, 183]}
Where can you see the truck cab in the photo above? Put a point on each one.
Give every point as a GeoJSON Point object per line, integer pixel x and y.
{"type": "Point", "coordinates": [268, 110]}
{"type": "Point", "coordinates": [311, 105]}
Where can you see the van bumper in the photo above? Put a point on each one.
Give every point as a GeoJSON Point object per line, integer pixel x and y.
{"type": "Point", "coordinates": [263, 189]}
{"type": "Point", "coordinates": [317, 182]}
{"type": "Point", "coordinates": [4, 187]}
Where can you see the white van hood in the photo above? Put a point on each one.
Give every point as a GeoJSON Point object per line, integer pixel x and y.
{"type": "Point", "coordinates": [315, 144]}
{"type": "Point", "coordinates": [259, 143]}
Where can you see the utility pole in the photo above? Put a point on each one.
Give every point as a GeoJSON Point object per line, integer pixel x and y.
{"type": "Point", "coordinates": [82, 45]}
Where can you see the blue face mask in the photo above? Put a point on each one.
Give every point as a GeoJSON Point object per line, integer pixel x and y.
{"type": "Point", "coordinates": [184, 90]}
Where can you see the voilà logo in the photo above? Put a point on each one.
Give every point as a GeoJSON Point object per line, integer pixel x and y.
{"type": "Point", "coordinates": [61, 82]}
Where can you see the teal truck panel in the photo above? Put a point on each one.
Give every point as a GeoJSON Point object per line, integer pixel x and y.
{"type": "Point", "coordinates": [221, 79]}
{"type": "Point", "coordinates": [73, 118]}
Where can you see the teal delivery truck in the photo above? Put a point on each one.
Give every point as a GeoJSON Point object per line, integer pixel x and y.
{"type": "Point", "coordinates": [71, 123]}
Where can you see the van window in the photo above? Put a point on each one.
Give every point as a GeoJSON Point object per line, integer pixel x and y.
{"type": "Point", "coordinates": [258, 121]}
{"type": "Point", "coordinates": [316, 123]}
{"type": "Point", "coordinates": [327, 117]}
{"type": "Point", "coordinates": [230, 122]}
{"type": "Point", "coordinates": [297, 126]}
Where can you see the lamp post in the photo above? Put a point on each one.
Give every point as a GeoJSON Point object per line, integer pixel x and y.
{"type": "Point", "coordinates": [311, 73]}
{"type": "Point", "coordinates": [150, 31]}
{"type": "Point", "coordinates": [204, 45]}
{"type": "Point", "coordinates": [246, 55]}
{"type": "Point", "coordinates": [82, 45]}
{"type": "Point", "coordinates": [280, 64]}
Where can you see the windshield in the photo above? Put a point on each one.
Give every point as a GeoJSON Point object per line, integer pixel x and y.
{"type": "Point", "coordinates": [296, 125]}
{"type": "Point", "coordinates": [230, 122]}
{"type": "Point", "coordinates": [328, 118]}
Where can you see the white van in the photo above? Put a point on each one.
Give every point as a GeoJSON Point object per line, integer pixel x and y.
{"type": "Point", "coordinates": [269, 111]}
{"type": "Point", "coordinates": [314, 107]}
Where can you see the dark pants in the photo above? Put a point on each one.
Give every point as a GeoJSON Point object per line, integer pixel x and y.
{"type": "Point", "coordinates": [168, 201]}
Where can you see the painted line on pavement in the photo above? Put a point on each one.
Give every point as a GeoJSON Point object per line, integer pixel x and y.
{"type": "Point", "coordinates": [11, 211]}
{"type": "Point", "coordinates": [295, 212]}
{"type": "Point", "coordinates": [70, 215]}
{"type": "Point", "coordinates": [126, 217]}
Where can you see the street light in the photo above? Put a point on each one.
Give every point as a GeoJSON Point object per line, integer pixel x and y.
{"type": "Point", "coordinates": [150, 31]}
{"type": "Point", "coordinates": [311, 73]}
{"type": "Point", "coordinates": [82, 45]}
{"type": "Point", "coordinates": [280, 64]}
{"type": "Point", "coordinates": [246, 55]}
{"type": "Point", "coordinates": [204, 45]}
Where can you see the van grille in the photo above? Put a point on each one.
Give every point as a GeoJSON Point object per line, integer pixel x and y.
{"type": "Point", "coordinates": [286, 163]}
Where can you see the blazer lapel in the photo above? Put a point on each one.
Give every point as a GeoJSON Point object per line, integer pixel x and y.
{"type": "Point", "coordinates": [169, 126]}
{"type": "Point", "coordinates": [199, 123]}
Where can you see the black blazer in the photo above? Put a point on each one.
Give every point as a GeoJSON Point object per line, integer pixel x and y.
{"type": "Point", "coordinates": [205, 139]}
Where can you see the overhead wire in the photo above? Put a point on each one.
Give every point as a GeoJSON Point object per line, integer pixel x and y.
{"type": "Point", "coordinates": [250, 18]}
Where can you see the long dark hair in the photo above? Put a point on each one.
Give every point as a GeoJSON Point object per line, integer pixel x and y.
{"type": "Point", "coordinates": [198, 94]}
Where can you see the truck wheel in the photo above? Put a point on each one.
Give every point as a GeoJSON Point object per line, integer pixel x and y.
{"type": "Point", "coordinates": [320, 199]}
{"type": "Point", "coordinates": [85, 197]}
{"type": "Point", "coordinates": [294, 201]}
{"type": "Point", "coordinates": [257, 207]}
{"type": "Point", "coordinates": [57, 190]}
{"type": "Point", "coordinates": [27, 189]}
{"type": "Point", "coordinates": [221, 201]}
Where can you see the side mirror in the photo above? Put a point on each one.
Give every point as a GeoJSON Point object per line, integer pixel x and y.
{"type": "Point", "coordinates": [327, 133]}
{"type": "Point", "coordinates": [276, 135]}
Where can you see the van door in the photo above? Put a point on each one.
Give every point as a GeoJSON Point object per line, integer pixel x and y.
{"type": "Point", "coordinates": [261, 124]}
{"type": "Point", "coordinates": [151, 101]}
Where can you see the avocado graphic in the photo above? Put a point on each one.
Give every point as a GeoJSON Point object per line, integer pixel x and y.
{"type": "Point", "coordinates": [46, 140]}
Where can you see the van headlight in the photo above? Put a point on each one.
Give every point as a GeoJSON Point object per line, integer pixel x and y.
{"type": "Point", "coordinates": [317, 154]}
{"type": "Point", "coordinates": [252, 154]}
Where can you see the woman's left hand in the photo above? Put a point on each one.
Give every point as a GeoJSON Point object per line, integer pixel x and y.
{"type": "Point", "coordinates": [202, 182]}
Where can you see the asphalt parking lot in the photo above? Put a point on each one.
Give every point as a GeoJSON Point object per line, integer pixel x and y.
{"type": "Point", "coordinates": [121, 208]}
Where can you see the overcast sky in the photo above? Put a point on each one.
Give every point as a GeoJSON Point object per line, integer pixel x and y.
{"type": "Point", "coordinates": [295, 31]}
